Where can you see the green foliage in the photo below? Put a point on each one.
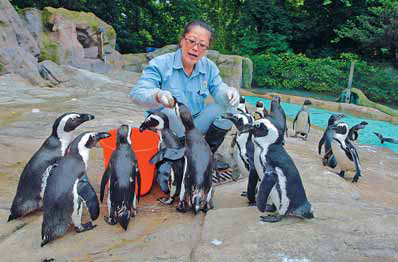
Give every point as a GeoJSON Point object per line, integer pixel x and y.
{"type": "Point", "coordinates": [1, 67]}
{"type": "Point", "coordinates": [292, 71]}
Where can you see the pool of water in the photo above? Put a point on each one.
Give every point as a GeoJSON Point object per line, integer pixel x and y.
{"type": "Point", "coordinates": [319, 117]}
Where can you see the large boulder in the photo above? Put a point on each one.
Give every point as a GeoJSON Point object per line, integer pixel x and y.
{"type": "Point", "coordinates": [18, 48]}
{"type": "Point", "coordinates": [135, 62]}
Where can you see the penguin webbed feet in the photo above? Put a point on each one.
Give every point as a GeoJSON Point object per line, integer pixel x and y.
{"type": "Point", "coordinates": [251, 203]}
{"type": "Point", "coordinates": [166, 200]}
{"type": "Point", "coordinates": [243, 194]}
{"type": "Point", "coordinates": [270, 208]}
{"type": "Point", "coordinates": [356, 177]}
{"type": "Point", "coordinates": [271, 218]}
{"type": "Point", "coordinates": [85, 227]}
{"type": "Point", "coordinates": [182, 207]}
{"type": "Point", "coordinates": [110, 220]}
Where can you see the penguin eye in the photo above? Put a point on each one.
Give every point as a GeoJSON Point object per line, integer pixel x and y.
{"type": "Point", "coordinates": [257, 125]}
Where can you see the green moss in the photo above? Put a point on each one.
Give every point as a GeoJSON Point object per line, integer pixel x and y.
{"type": "Point", "coordinates": [49, 49]}
{"type": "Point", "coordinates": [45, 17]}
{"type": "Point", "coordinates": [364, 101]}
{"type": "Point", "coordinates": [1, 68]}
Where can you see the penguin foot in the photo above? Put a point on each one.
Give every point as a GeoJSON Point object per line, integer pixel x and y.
{"type": "Point", "coordinates": [243, 194]}
{"type": "Point", "coordinates": [271, 218]}
{"type": "Point", "coordinates": [356, 177]}
{"type": "Point", "coordinates": [165, 200]}
{"type": "Point", "coordinates": [181, 207]}
{"type": "Point", "coordinates": [252, 203]}
{"type": "Point", "coordinates": [133, 212]}
{"type": "Point", "coordinates": [270, 208]}
{"type": "Point", "coordinates": [110, 220]}
{"type": "Point", "coordinates": [342, 173]}
{"type": "Point", "coordinates": [85, 227]}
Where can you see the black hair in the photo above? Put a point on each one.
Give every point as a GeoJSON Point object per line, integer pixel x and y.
{"type": "Point", "coordinates": [188, 27]}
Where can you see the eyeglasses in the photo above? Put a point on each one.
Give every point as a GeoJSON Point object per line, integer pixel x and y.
{"type": "Point", "coordinates": [192, 42]}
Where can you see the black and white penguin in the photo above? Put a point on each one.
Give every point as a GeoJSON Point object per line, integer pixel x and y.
{"type": "Point", "coordinates": [327, 139]}
{"type": "Point", "coordinates": [279, 176]}
{"type": "Point", "coordinates": [260, 110]}
{"type": "Point", "coordinates": [196, 187]}
{"type": "Point", "coordinates": [33, 179]}
{"type": "Point", "coordinates": [123, 173]}
{"type": "Point", "coordinates": [243, 151]}
{"type": "Point", "coordinates": [242, 105]}
{"type": "Point", "coordinates": [353, 134]}
{"type": "Point", "coordinates": [302, 121]}
{"type": "Point", "coordinates": [386, 139]}
{"type": "Point", "coordinates": [68, 189]}
{"type": "Point", "coordinates": [169, 159]}
{"type": "Point", "coordinates": [278, 115]}
{"type": "Point", "coordinates": [346, 154]}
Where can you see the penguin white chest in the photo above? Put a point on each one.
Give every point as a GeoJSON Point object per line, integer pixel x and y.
{"type": "Point", "coordinates": [302, 125]}
{"type": "Point", "coordinates": [260, 160]}
{"type": "Point", "coordinates": [344, 163]}
{"type": "Point", "coordinates": [240, 153]}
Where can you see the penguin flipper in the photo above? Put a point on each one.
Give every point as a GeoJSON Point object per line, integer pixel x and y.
{"type": "Point", "coordinates": [295, 119]}
{"type": "Point", "coordinates": [104, 181]}
{"type": "Point", "coordinates": [251, 186]}
{"type": "Point", "coordinates": [87, 193]}
{"type": "Point", "coordinates": [321, 142]}
{"type": "Point", "coordinates": [267, 183]}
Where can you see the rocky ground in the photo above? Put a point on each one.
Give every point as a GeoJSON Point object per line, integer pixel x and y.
{"type": "Point", "coordinates": [354, 222]}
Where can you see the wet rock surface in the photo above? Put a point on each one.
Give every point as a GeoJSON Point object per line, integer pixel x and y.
{"type": "Point", "coordinates": [353, 222]}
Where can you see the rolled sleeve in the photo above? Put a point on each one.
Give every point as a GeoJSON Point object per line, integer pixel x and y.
{"type": "Point", "coordinates": [144, 91]}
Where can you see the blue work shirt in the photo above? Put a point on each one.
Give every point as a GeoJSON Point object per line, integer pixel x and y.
{"type": "Point", "coordinates": [166, 72]}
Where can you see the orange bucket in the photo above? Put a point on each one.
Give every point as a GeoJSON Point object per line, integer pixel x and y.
{"type": "Point", "coordinates": [144, 145]}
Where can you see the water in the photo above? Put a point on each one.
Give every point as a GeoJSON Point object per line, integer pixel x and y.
{"type": "Point", "coordinates": [319, 117]}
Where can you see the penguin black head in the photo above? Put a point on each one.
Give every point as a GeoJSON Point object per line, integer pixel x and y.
{"type": "Point", "coordinates": [334, 118]}
{"type": "Point", "coordinates": [124, 135]}
{"type": "Point", "coordinates": [183, 112]}
{"type": "Point", "coordinates": [259, 104]}
{"type": "Point", "coordinates": [265, 132]}
{"type": "Point", "coordinates": [242, 100]}
{"type": "Point", "coordinates": [307, 102]}
{"type": "Point", "coordinates": [68, 122]}
{"type": "Point", "coordinates": [354, 131]}
{"type": "Point", "coordinates": [155, 121]}
{"type": "Point", "coordinates": [277, 99]}
{"type": "Point", "coordinates": [84, 142]}
{"type": "Point", "coordinates": [242, 121]}
{"type": "Point", "coordinates": [341, 131]}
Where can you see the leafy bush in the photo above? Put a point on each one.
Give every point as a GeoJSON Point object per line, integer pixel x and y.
{"type": "Point", "coordinates": [325, 75]}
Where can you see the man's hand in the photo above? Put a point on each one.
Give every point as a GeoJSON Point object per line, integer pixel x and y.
{"type": "Point", "coordinates": [233, 96]}
{"type": "Point", "coordinates": [165, 98]}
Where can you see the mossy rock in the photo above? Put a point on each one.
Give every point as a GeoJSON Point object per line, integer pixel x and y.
{"type": "Point", "coordinates": [247, 73]}
{"type": "Point", "coordinates": [164, 50]}
{"type": "Point", "coordinates": [49, 49]}
{"type": "Point", "coordinates": [81, 20]}
{"type": "Point", "coordinates": [1, 68]}
{"type": "Point", "coordinates": [364, 101]}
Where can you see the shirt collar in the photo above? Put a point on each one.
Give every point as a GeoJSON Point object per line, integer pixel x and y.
{"type": "Point", "coordinates": [177, 64]}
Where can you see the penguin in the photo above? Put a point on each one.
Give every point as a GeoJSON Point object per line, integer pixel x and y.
{"type": "Point", "coordinates": [33, 179]}
{"type": "Point", "coordinates": [346, 154]}
{"type": "Point", "coordinates": [279, 176]}
{"type": "Point", "coordinates": [123, 173]}
{"type": "Point", "coordinates": [329, 159]}
{"type": "Point", "coordinates": [68, 189]}
{"type": "Point", "coordinates": [243, 152]}
{"type": "Point", "coordinates": [260, 110]}
{"type": "Point", "coordinates": [327, 139]}
{"type": "Point", "coordinates": [278, 115]}
{"type": "Point", "coordinates": [242, 105]}
{"type": "Point", "coordinates": [196, 186]}
{"type": "Point", "coordinates": [302, 121]}
{"type": "Point", "coordinates": [169, 160]}
{"type": "Point", "coordinates": [353, 134]}
{"type": "Point", "coordinates": [386, 139]}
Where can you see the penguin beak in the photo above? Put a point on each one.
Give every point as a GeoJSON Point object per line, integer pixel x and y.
{"type": "Point", "coordinates": [86, 117]}
{"type": "Point", "coordinates": [101, 135]}
{"type": "Point", "coordinates": [333, 127]}
{"type": "Point", "coordinates": [143, 127]}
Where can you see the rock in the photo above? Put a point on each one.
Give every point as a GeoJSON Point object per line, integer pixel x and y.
{"type": "Point", "coordinates": [247, 72]}
{"type": "Point", "coordinates": [135, 62]}
{"type": "Point", "coordinates": [18, 48]}
{"type": "Point", "coordinates": [161, 51]}
{"type": "Point", "coordinates": [32, 19]}
{"type": "Point", "coordinates": [231, 69]}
